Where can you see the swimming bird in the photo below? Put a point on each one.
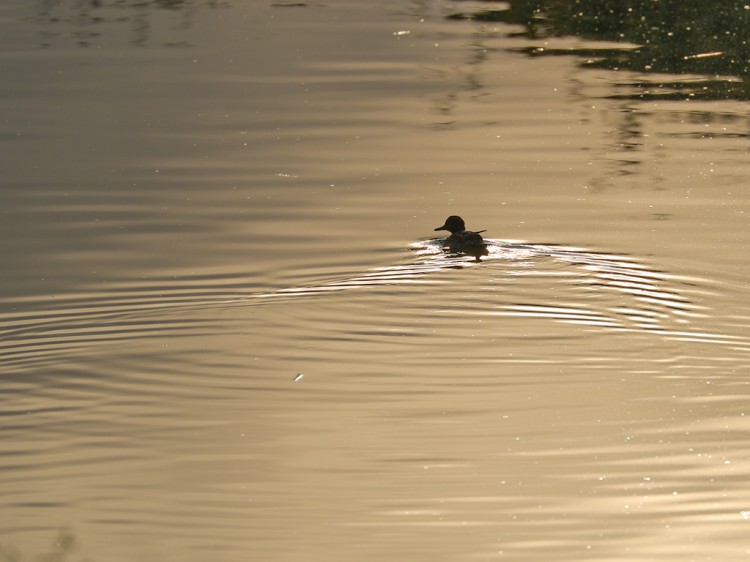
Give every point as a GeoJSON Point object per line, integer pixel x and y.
{"type": "Point", "coordinates": [463, 241]}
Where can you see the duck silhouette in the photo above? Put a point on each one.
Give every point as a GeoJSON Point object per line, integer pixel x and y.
{"type": "Point", "coordinates": [462, 241]}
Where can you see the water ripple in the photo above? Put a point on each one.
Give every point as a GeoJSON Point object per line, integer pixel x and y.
{"type": "Point", "coordinates": [561, 283]}
{"type": "Point", "coordinates": [656, 296]}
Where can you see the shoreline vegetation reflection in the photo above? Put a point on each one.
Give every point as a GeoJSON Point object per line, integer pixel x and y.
{"type": "Point", "coordinates": [86, 22]}
{"type": "Point", "coordinates": [706, 43]}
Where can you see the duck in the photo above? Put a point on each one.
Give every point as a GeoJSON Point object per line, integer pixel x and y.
{"type": "Point", "coordinates": [463, 241]}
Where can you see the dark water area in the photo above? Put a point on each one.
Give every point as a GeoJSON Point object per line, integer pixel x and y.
{"type": "Point", "coordinates": [229, 331]}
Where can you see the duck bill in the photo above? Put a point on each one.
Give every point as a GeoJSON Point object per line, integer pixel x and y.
{"type": "Point", "coordinates": [440, 228]}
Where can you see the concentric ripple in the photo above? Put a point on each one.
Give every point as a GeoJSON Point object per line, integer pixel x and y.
{"type": "Point", "coordinates": [569, 284]}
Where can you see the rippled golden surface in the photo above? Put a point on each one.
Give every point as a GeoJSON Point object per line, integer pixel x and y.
{"type": "Point", "coordinates": [228, 331]}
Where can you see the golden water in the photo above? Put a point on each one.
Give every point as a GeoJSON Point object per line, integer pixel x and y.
{"type": "Point", "coordinates": [228, 332]}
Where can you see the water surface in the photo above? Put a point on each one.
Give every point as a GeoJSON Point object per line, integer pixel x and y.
{"type": "Point", "coordinates": [202, 201]}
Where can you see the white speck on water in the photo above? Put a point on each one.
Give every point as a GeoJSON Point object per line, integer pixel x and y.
{"type": "Point", "coordinates": [298, 377]}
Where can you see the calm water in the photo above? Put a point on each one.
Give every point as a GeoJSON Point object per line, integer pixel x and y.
{"type": "Point", "coordinates": [227, 331]}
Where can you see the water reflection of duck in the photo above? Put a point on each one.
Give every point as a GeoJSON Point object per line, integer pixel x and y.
{"type": "Point", "coordinates": [463, 241]}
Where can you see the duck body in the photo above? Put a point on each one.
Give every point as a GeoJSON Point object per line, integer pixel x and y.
{"type": "Point", "coordinates": [463, 241]}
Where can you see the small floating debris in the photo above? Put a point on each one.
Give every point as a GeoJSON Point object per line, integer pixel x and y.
{"type": "Point", "coordinates": [298, 377]}
{"type": "Point", "coordinates": [703, 55]}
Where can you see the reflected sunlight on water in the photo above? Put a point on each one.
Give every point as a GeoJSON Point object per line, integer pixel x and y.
{"type": "Point", "coordinates": [226, 335]}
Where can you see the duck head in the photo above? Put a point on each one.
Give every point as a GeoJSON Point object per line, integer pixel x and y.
{"type": "Point", "coordinates": [453, 224]}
